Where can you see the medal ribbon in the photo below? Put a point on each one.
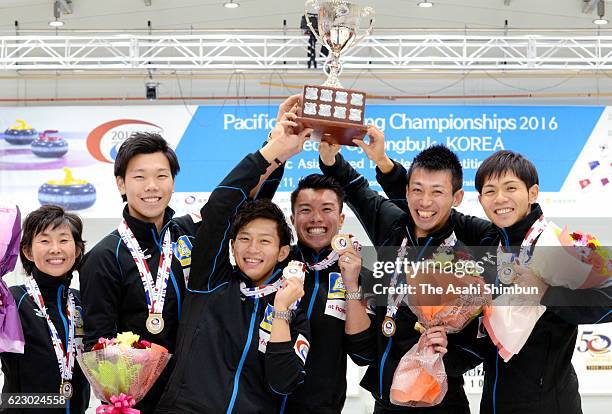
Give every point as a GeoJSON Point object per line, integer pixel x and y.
{"type": "Point", "coordinates": [394, 299]}
{"type": "Point", "coordinates": [261, 291]}
{"type": "Point", "coordinates": [536, 229]}
{"type": "Point", "coordinates": [65, 360]}
{"type": "Point", "coordinates": [155, 292]}
{"type": "Point", "coordinates": [332, 257]}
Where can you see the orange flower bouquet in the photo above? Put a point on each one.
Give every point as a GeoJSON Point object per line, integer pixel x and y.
{"type": "Point", "coordinates": [442, 298]}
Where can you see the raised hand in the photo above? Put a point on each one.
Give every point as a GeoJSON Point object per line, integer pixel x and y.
{"type": "Point", "coordinates": [350, 266]}
{"type": "Point", "coordinates": [375, 149]}
{"type": "Point", "coordinates": [328, 152]}
{"type": "Point", "coordinates": [288, 105]}
{"type": "Point", "coordinates": [292, 290]}
{"type": "Point", "coordinates": [285, 119]}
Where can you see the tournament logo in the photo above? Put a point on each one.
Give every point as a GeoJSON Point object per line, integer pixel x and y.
{"type": "Point", "coordinates": [336, 287]}
{"type": "Point", "coordinates": [103, 141]}
{"type": "Point", "coordinates": [594, 343]}
{"type": "Point", "coordinates": [182, 250]}
{"type": "Point", "coordinates": [301, 347]}
{"type": "Point", "coordinates": [594, 349]}
{"type": "Point", "coordinates": [266, 322]}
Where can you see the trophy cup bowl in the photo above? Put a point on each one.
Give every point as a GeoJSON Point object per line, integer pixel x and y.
{"type": "Point", "coordinates": [334, 113]}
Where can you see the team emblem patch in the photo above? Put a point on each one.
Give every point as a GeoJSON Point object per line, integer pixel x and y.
{"type": "Point", "coordinates": [336, 304]}
{"type": "Point", "coordinates": [266, 322]}
{"type": "Point", "coordinates": [301, 347]}
{"type": "Point", "coordinates": [336, 287]}
{"type": "Point", "coordinates": [182, 250]}
{"type": "Point", "coordinates": [78, 321]}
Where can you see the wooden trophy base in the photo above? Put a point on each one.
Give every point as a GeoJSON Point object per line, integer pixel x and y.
{"type": "Point", "coordinates": [335, 132]}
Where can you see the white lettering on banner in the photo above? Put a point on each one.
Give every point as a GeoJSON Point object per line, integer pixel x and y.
{"type": "Point", "coordinates": [311, 146]}
{"type": "Point", "coordinates": [259, 121]}
{"type": "Point", "coordinates": [309, 164]}
{"type": "Point", "coordinates": [484, 122]}
{"type": "Point", "coordinates": [464, 143]}
{"type": "Point", "coordinates": [379, 123]}
{"type": "Point", "coordinates": [408, 145]}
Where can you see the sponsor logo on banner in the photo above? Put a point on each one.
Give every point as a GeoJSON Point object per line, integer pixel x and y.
{"type": "Point", "coordinates": [103, 141]}
{"type": "Point", "coordinates": [182, 250]}
{"type": "Point", "coordinates": [301, 347]}
{"type": "Point", "coordinates": [336, 304]}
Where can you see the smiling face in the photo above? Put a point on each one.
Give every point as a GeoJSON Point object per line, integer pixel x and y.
{"type": "Point", "coordinates": [148, 186]}
{"type": "Point", "coordinates": [257, 249]}
{"type": "Point", "coordinates": [430, 199]}
{"type": "Point", "coordinates": [317, 217]}
{"type": "Point", "coordinates": [53, 251]}
{"type": "Point", "coordinates": [506, 199]}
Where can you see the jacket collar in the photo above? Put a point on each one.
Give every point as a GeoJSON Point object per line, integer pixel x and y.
{"type": "Point", "coordinates": [276, 273]}
{"type": "Point", "coordinates": [516, 233]}
{"type": "Point", "coordinates": [433, 239]}
{"type": "Point", "coordinates": [144, 230]}
{"type": "Point", "coordinates": [310, 255]}
{"type": "Point", "coordinates": [49, 285]}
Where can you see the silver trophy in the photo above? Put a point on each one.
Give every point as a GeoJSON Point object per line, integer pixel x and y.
{"type": "Point", "coordinates": [339, 27]}
{"type": "Point", "coordinates": [336, 114]}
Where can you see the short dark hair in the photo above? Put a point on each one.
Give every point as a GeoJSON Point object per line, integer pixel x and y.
{"type": "Point", "coordinates": [318, 182]}
{"type": "Point", "coordinates": [264, 209]}
{"type": "Point", "coordinates": [144, 143]}
{"type": "Point", "coordinates": [502, 162]}
{"type": "Point", "coordinates": [439, 158]}
{"type": "Point", "coordinates": [40, 220]}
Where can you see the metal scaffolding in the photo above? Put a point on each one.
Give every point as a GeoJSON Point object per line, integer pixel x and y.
{"type": "Point", "coordinates": [271, 52]}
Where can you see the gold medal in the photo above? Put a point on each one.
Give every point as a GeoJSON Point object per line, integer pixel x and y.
{"type": "Point", "coordinates": [388, 327]}
{"type": "Point", "coordinates": [155, 323]}
{"type": "Point", "coordinates": [66, 389]}
{"type": "Point", "coordinates": [341, 243]}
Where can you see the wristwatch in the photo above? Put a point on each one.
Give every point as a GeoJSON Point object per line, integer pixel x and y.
{"type": "Point", "coordinates": [355, 295]}
{"type": "Point", "coordinates": [286, 315]}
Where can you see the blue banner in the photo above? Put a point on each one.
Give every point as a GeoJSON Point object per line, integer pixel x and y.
{"type": "Point", "coordinates": [551, 136]}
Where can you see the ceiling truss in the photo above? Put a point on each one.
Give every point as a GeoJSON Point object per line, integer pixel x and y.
{"type": "Point", "coordinates": [257, 52]}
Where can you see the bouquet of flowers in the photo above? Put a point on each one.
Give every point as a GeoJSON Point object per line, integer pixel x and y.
{"type": "Point", "coordinates": [11, 333]}
{"type": "Point", "coordinates": [452, 301]}
{"type": "Point", "coordinates": [571, 259]}
{"type": "Point", "coordinates": [574, 260]}
{"type": "Point", "coordinates": [122, 370]}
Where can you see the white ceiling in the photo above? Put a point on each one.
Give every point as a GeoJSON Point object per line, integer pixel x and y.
{"type": "Point", "coordinates": [26, 88]}
{"type": "Point", "coordinates": [210, 14]}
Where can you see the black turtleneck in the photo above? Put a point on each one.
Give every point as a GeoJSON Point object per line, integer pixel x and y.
{"type": "Point", "coordinates": [514, 235]}
{"type": "Point", "coordinates": [310, 255]}
{"type": "Point", "coordinates": [144, 230]}
{"type": "Point", "coordinates": [435, 238]}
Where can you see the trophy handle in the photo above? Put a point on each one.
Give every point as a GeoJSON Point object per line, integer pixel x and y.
{"type": "Point", "coordinates": [366, 12]}
{"type": "Point", "coordinates": [312, 5]}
